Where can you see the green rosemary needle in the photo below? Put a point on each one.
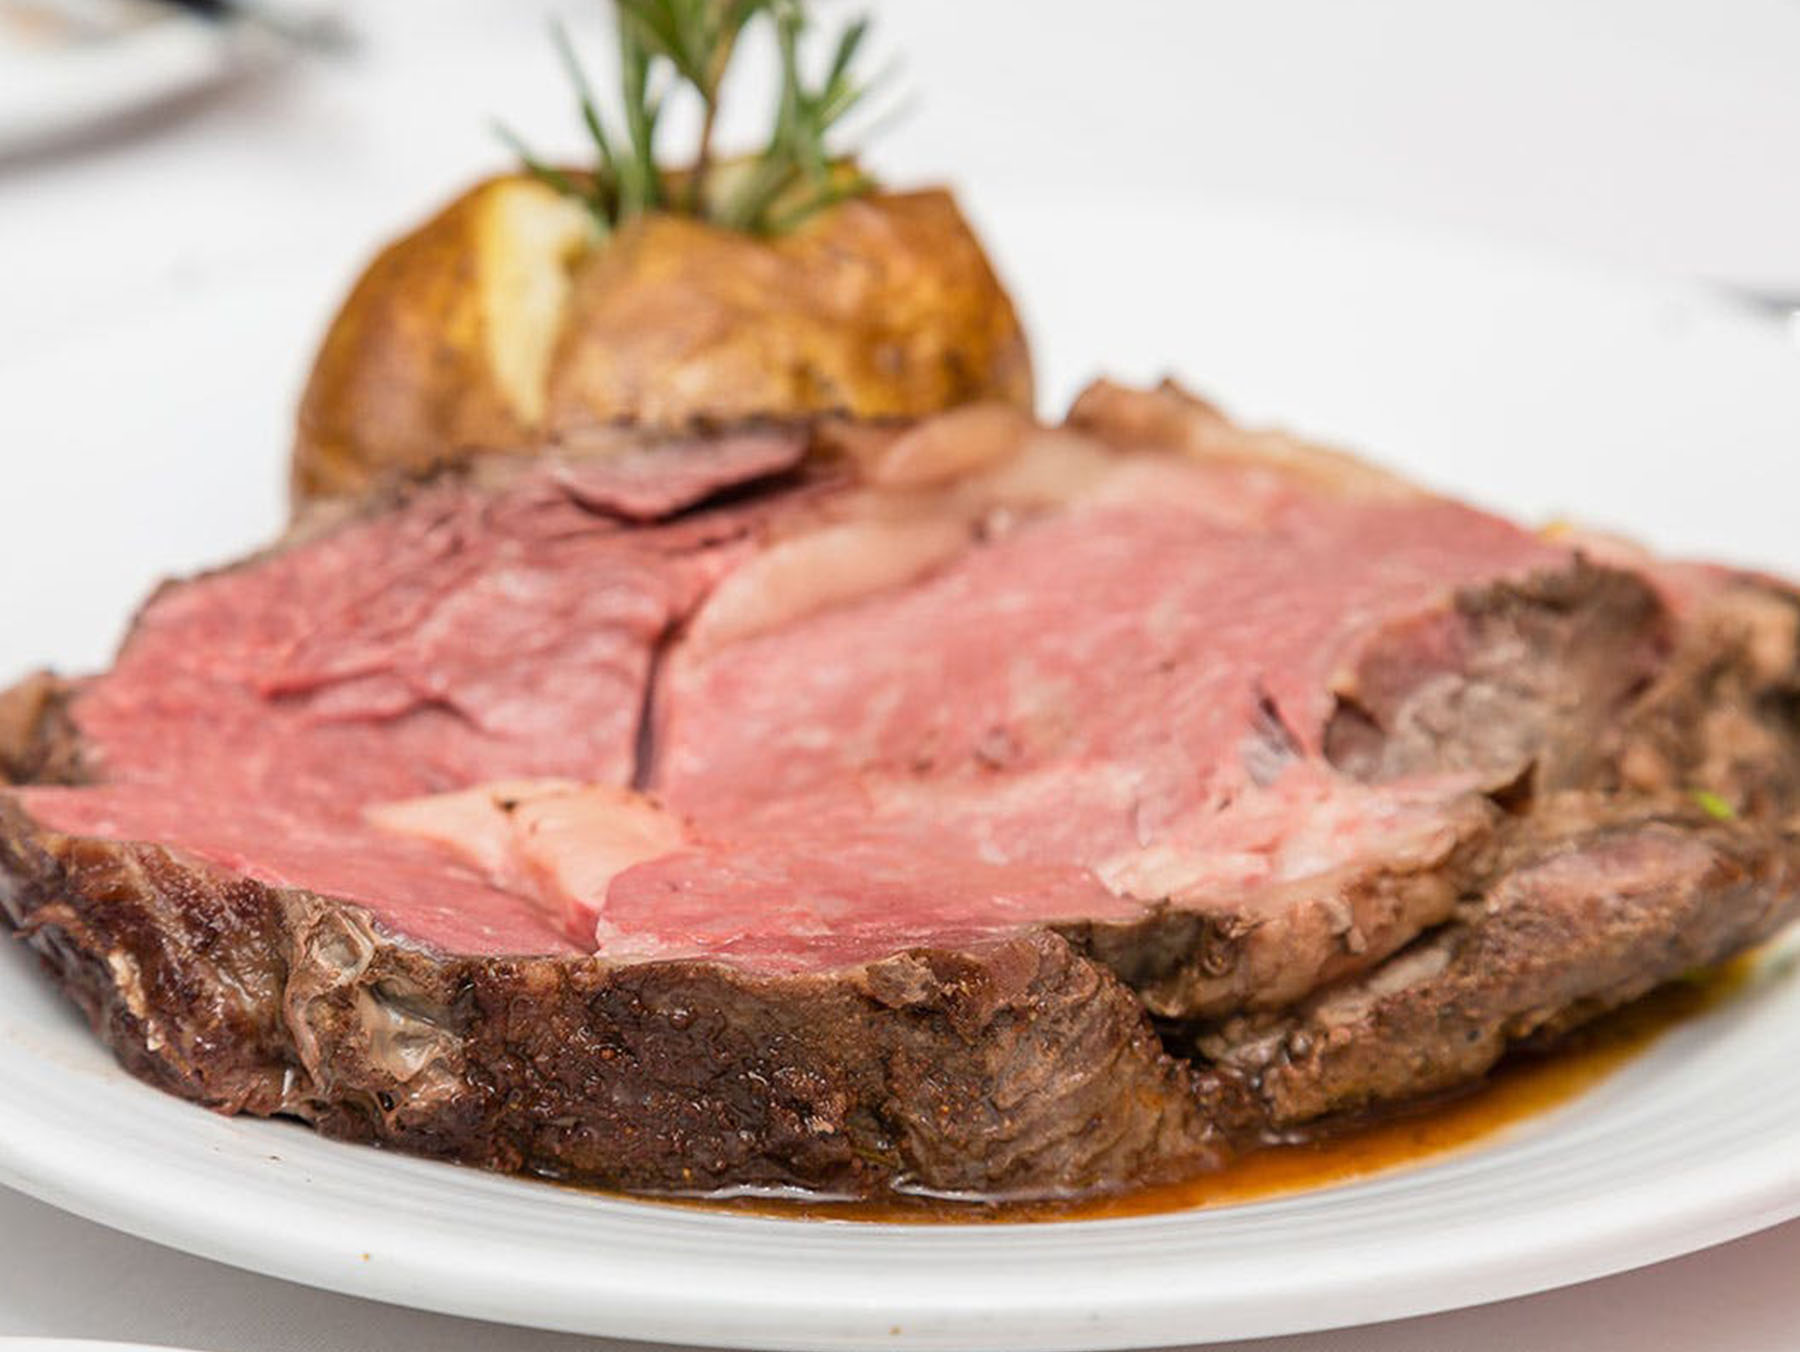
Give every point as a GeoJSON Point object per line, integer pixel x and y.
{"type": "Point", "coordinates": [685, 48]}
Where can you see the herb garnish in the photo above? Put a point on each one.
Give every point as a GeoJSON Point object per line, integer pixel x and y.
{"type": "Point", "coordinates": [671, 46]}
{"type": "Point", "coordinates": [1713, 805]}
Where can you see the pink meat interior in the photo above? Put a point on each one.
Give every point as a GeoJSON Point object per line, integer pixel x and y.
{"type": "Point", "coordinates": [1096, 707]}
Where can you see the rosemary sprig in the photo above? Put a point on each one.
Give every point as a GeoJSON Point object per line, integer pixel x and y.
{"type": "Point", "coordinates": [688, 45]}
{"type": "Point", "coordinates": [640, 187]}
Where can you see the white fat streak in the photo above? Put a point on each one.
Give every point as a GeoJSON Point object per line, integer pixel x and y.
{"type": "Point", "coordinates": [472, 823]}
{"type": "Point", "coordinates": [952, 446]}
{"type": "Point", "coordinates": [834, 564]}
{"type": "Point", "coordinates": [560, 842]}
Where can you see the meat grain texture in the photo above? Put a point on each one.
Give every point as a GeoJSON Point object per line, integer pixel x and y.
{"type": "Point", "coordinates": [972, 808]}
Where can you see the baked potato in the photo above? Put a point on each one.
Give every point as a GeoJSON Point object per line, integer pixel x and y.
{"type": "Point", "coordinates": [506, 323]}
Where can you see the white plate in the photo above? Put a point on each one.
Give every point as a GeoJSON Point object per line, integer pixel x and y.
{"type": "Point", "coordinates": [1537, 387]}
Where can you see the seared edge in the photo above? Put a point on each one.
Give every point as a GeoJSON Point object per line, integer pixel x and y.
{"type": "Point", "coordinates": [39, 743]}
{"type": "Point", "coordinates": [1016, 1069]}
{"type": "Point", "coordinates": [1582, 927]}
{"type": "Point", "coordinates": [1679, 848]}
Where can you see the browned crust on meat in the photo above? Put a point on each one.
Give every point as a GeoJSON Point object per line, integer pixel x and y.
{"type": "Point", "coordinates": [1724, 713]}
{"type": "Point", "coordinates": [1581, 927]}
{"type": "Point", "coordinates": [38, 740]}
{"type": "Point", "coordinates": [1187, 963]}
{"type": "Point", "coordinates": [1021, 1069]}
{"type": "Point", "coordinates": [1015, 1069]}
{"type": "Point", "coordinates": [1552, 663]}
{"type": "Point", "coordinates": [1598, 894]}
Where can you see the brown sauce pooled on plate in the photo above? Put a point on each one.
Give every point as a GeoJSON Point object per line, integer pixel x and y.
{"type": "Point", "coordinates": [1517, 1090]}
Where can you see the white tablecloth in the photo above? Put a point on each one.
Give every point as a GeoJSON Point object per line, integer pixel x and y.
{"type": "Point", "coordinates": [1658, 135]}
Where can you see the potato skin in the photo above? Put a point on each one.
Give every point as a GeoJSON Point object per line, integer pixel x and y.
{"type": "Point", "coordinates": [883, 306]}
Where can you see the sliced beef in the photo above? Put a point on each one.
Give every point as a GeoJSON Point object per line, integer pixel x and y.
{"type": "Point", "coordinates": [1577, 927]}
{"type": "Point", "coordinates": [835, 809]}
{"type": "Point", "coordinates": [1009, 1066]}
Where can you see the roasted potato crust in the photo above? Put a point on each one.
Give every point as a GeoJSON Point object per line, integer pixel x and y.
{"type": "Point", "coordinates": [504, 323]}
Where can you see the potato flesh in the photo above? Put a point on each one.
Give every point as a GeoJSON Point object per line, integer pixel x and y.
{"type": "Point", "coordinates": [530, 238]}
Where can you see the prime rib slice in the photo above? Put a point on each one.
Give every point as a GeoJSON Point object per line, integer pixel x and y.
{"type": "Point", "coordinates": [969, 808]}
